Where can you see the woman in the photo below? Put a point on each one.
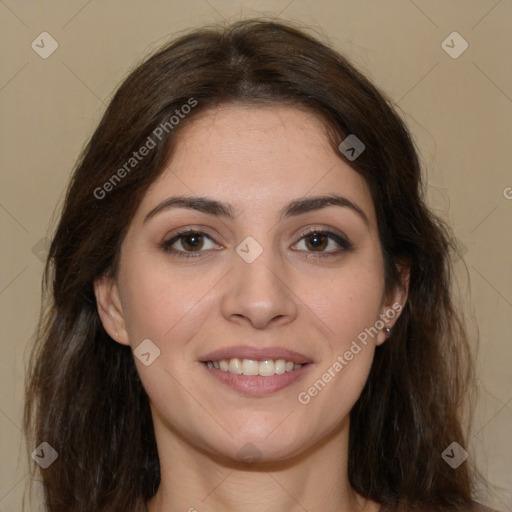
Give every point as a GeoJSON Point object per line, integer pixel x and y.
{"type": "Point", "coordinates": [250, 305]}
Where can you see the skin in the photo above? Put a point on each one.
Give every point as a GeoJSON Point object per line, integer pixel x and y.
{"type": "Point", "coordinates": [257, 159]}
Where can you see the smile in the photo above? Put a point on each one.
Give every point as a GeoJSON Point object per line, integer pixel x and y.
{"type": "Point", "coordinates": [264, 368]}
{"type": "Point", "coordinates": [261, 378]}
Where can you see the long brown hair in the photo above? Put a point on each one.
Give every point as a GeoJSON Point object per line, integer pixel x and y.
{"type": "Point", "coordinates": [83, 394]}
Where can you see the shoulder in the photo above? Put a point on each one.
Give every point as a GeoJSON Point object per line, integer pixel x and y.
{"type": "Point", "coordinates": [478, 507]}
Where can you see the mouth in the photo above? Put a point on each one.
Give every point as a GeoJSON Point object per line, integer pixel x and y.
{"type": "Point", "coordinates": [256, 371]}
{"type": "Point", "coordinates": [264, 368]}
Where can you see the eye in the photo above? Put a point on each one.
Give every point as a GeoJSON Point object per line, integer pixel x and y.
{"type": "Point", "coordinates": [317, 240]}
{"type": "Point", "coordinates": [191, 242]}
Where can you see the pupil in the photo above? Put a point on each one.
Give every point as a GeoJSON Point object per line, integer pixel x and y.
{"type": "Point", "coordinates": [195, 240]}
{"type": "Point", "coordinates": [318, 237]}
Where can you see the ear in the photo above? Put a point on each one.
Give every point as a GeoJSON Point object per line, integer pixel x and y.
{"type": "Point", "coordinates": [394, 302]}
{"type": "Point", "coordinates": [110, 309]}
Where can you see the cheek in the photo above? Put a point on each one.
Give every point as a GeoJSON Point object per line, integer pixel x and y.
{"type": "Point", "coordinates": [350, 310]}
{"type": "Point", "coordinates": [349, 303]}
{"type": "Point", "coordinates": [156, 300]}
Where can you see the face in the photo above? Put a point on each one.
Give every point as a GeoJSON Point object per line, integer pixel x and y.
{"type": "Point", "coordinates": [265, 280]}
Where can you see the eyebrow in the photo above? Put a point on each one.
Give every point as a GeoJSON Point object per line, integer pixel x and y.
{"type": "Point", "coordinates": [220, 209]}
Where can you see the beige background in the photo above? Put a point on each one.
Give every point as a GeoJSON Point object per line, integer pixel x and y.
{"type": "Point", "coordinates": [459, 111]}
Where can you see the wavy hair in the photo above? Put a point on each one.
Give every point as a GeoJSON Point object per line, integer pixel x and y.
{"type": "Point", "coordinates": [83, 393]}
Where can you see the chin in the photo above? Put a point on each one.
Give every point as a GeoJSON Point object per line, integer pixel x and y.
{"type": "Point", "coordinates": [258, 445]}
{"type": "Point", "coordinates": [255, 452]}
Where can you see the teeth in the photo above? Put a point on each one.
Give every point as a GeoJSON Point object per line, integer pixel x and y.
{"type": "Point", "coordinates": [280, 366]}
{"type": "Point", "coordinates": [235, 365]}
{"type": "Point", "coordinates": [265, 368]}
{"type": "Point", "coordinates": [249, 367]}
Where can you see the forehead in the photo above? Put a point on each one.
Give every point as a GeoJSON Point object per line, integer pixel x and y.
{"type": "Point", "coordinates": [258, 159]}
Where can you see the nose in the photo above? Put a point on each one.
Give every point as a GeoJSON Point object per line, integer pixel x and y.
{"type": "Point", "coordinates": [258, 293]}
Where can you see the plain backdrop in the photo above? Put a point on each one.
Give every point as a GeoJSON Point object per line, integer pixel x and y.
{"type": "Point", "coordinates": [457, 102]}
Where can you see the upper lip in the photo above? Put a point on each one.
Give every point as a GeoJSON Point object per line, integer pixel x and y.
{"type": "Point", "coordinates": [256, 353]}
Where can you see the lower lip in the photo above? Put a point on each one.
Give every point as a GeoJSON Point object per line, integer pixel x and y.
{"type": "Point", "coordinates": [256, 385]}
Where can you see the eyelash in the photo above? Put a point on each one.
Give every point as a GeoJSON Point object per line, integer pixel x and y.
{"type": "Point", "coordinates": [340, 240]}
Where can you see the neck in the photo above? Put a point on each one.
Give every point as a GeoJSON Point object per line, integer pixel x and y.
{"type": "Point", "coordinates": [195, 481]}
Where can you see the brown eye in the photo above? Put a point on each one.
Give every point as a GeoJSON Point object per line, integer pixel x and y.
{"type": "Point", "coordinates": [190, 241]}
{"type": "Point", "coordinates": [317, 241]}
